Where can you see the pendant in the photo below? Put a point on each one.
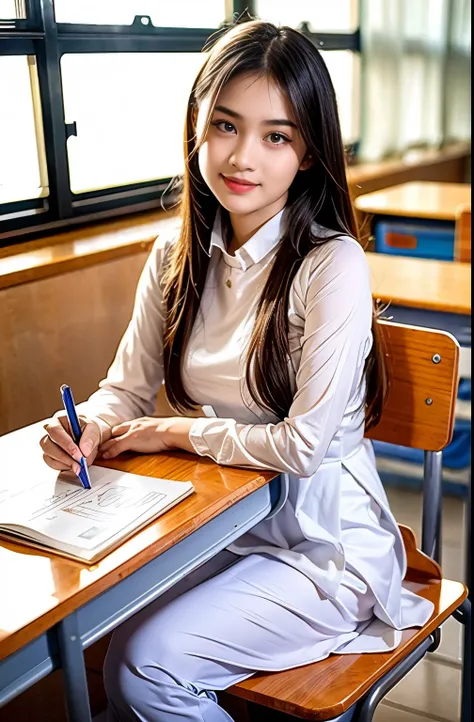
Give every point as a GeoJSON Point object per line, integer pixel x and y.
{"type": "Point", "coordinates": [228, 283]}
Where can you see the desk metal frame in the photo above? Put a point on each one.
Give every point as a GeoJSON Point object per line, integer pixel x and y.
{"type": "Point", "coordinates": [63, 645]}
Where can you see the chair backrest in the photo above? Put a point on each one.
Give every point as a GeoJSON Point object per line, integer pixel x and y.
{"type": "Point", "coordinates": [423, 368]}
{"type": "Point", "coordinates": [462, 242]}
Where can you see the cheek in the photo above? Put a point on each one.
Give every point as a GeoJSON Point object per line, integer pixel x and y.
{"type": "Point", "coordinates": [284, 165]}
{"type": "Point", "coordinates": [206, 163]}
{"type": "Point", "coordinates": [210, 158]}
{"type": "Point", "coordinates": [203, 160]}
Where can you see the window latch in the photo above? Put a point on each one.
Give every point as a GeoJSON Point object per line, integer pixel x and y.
{"type": "Point", "coordinates": [71, 129]}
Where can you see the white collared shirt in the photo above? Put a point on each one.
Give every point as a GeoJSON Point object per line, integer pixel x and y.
{"type": "Point", "coordinates": [320, 444]}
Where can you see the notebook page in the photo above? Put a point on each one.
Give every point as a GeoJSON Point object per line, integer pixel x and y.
{"type": "Point", "coordinates": [61, 510]}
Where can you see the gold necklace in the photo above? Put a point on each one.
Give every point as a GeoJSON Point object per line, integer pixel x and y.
{"type": "Point", "coordinates": [228, 282]}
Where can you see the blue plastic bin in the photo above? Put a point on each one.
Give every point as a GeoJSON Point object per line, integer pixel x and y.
{"type": "Point", "coordinates": [413, 237]}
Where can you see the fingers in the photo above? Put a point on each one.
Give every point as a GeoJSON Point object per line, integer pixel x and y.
{"type": "Point", "coordinates": [58, 435]}
{"type": "Point", "coordinates": [120, 441]}
{"type": "Point", "coordinates": [116, 446]}
{"type": "Point", "coordinates": [90, 439]}
{"type": "Point", "coordinates": [121, 429]}
{"type": "Point", "coordinates": [60, 450]}
{"type": "Point", "coordinates": [56, 458]}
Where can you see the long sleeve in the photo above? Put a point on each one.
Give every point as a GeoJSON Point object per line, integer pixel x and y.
{"type": "Point", "coordinates": [136, 374]}
{"type": "Point", "coordinates": [331, 294]}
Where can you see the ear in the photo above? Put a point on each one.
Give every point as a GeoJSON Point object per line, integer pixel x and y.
{"type": "Point", "coordinates": [307, 162]}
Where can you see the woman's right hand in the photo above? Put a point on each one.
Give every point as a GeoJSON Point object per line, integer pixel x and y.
{"type": "Point", "coordinates": [60, 452]}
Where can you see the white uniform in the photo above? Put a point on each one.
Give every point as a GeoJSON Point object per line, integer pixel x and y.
{"type": "Point", "coordinates": [325, 574]}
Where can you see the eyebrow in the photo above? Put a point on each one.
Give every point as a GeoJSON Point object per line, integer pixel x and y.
{"type": "Point", "coordinates": [274, 121]}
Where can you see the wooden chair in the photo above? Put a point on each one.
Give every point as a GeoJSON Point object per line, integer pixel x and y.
{"type": "Point", "coordinates": [419, 413]}
{"type": "Point", "coordinates": [462, 234]}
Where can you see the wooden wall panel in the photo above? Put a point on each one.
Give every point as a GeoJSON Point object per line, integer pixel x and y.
{"type": "Point", "coordinates": [63, 329]}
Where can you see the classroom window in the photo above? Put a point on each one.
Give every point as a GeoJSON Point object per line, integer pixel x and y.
{"type": "Point", "coordinates": [97, 95]}
{"type": "Point", "coordinates": [340, 16]}
{"type": "Point", "coordinates": [343, 65]}
{"type": "Point", "coordinates": [185, 13]}
{"type": "Point", "coordinates": [129, 113]}
{"type": "Point", "coordinates": [344, 69]}
{"type": "Point", "coordinates": [12, 9]}
{"type": "Point", "coordinates": [22, 155]}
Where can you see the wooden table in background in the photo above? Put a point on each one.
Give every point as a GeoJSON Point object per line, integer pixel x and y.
{"type": "Point", "coordinates": [426, 292]}
{"type": "Point", "coordinates": [417, 219]}
{"type": "Point", "coordinates": [422, 199]}
{"type": "Point", "coordinates": [422, 283]}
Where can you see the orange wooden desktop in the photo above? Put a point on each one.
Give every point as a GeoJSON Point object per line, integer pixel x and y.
{"type": "Point", "coordinates": [421, 283]}
{"type": "Point", "coordinates": [422, 199]}
{"type": "Point", "coordinates": [43, 588]}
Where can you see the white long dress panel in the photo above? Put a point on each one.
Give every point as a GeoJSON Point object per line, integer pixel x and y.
{"type": "Point", "coordinates": [336, 526]}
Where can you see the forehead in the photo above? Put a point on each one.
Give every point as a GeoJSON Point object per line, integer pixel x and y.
{"type": "Point", "coordinates": [256, 98]}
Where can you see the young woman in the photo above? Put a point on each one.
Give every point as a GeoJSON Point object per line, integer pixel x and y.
{"type": "Point", "coordinates": [261, 313]}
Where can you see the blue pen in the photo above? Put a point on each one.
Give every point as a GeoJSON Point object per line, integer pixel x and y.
{"type": "Point", "coordinates": [68, 401]}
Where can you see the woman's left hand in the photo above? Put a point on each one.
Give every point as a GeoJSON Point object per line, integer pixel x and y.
{"type": "Point", "coordinates": [149, 435]}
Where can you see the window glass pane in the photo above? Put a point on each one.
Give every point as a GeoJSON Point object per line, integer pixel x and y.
{"type": "Point", "coordinates": [344, 68]}
{"type": "Point", "coordinates": [12, 10]}
{"type": "Point", "coordinates": [130, 110]}
{"type": "Point", "coordinates": [173, 13]}
{"type": "Point", "coordinates": [22, 166]}
{"type": "Point", "coordinates": [339, 16]}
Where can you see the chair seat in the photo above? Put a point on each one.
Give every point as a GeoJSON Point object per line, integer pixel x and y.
{"type": "Point", "coordinates": [326, 689]}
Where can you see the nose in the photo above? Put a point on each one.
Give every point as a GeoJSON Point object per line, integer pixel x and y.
{"type": "Point", "coordinates": [243, 155]}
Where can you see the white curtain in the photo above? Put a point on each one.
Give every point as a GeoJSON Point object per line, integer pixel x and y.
{"type": "Point", "coordinates": [415, 74]}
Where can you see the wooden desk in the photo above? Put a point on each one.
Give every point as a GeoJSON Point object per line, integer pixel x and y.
{"type": "Point", "coordinates": [423, 199]}
{"type": "Point", "coordinates": [416, 219]}
{"type": "Point", "coordinates": [426, 292]}
{"type": "Point", "coordinates": [54, 608]}
{"type": "Point", "coordinates": [421, 283]}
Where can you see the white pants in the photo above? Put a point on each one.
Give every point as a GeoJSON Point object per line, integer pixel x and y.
{"type": "Point", "coordinates": [216, 628]}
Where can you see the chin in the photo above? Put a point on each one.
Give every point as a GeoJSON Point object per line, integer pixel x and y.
{"type": "Point", "coordinates": [235, 203]}
{"type": "Point", "coordinates": [239, 207]}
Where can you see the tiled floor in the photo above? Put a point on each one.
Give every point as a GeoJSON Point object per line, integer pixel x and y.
{"type": "Point", "coordinates": [431, 691]}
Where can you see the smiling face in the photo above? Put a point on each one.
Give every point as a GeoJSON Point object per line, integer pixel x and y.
{"type": "Point", "coordinates": [252, 150]}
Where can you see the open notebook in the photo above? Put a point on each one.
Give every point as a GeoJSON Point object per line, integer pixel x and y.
{"type": "Point", "coordinates": [58, 515]}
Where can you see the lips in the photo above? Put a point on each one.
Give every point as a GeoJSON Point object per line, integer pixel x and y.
{"type": "Point", "coordinates": [237, 185]}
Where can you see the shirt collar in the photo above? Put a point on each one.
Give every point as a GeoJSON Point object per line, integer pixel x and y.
{"type": "Point", "coordinates": [257, 247]}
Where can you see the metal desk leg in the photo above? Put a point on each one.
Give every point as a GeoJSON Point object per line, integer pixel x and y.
{"type": "Point", "coordinates": [466, 707]}
{"type": "Point", "coordinates": [468, 539]}
{"type": "Point", "coordinates": [466, 703]}
{"type": "Point", "coordinates": [74, 671]}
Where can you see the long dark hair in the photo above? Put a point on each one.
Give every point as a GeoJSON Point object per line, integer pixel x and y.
{"type": "Point", "coordinates": [318, 194]}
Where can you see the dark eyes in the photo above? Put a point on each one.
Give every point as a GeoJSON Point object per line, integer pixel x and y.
{"type": "Point", "coordinates": [224, 125]}
{"type": "Point", "coordinates": [274, 138]}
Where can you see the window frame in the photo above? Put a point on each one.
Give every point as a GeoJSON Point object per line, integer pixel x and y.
{"type": "Point", "coordinates": [41, 36]}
